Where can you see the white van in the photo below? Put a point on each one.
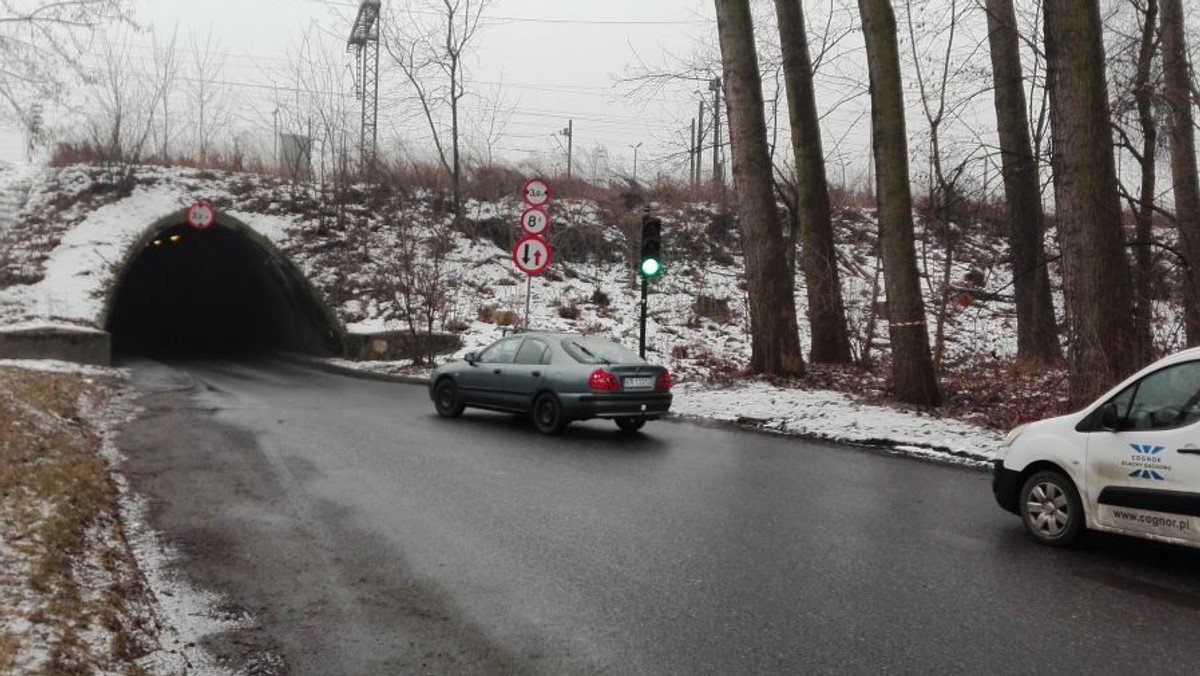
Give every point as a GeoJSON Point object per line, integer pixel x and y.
{"type": "Point", "coordinates": [1128, 463]}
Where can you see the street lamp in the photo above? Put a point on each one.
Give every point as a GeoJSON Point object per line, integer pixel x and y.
{"type": "Point", "coordinates": [635, 151]}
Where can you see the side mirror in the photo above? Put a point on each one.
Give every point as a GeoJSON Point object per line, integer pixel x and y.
{"type": "Point", "coordinates": [1110, 420]}
{"type": "Point", "coordinates": [470, 358]}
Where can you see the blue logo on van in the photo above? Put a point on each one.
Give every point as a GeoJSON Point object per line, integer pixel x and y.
{"type": "Point", "coordinates": [1146, 449]}
{"type": "Point", "coordinates": [1146, 474]}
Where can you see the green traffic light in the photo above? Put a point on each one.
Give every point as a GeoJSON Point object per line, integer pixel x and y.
{"type": "Point", "coordinates": [651, 267]}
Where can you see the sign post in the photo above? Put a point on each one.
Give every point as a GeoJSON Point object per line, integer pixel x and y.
{"type": "Point", "coordinates": [531, 254]}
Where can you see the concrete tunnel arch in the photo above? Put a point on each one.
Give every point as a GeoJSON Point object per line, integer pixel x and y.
{"type": "Point", "coordinates": [225, 289]}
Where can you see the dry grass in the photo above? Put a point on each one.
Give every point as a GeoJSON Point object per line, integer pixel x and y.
{"type": "Point", "coordinates": [995, 393]}
{"type": "Point", "coordinates": [68, 575]}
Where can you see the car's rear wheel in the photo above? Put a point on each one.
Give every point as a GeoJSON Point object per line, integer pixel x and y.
{"type": "Point", "coordinates": [631, 424]}
{"type": "Point", "coordinates": [1051, 509]}
{"type": "Point", "coordinates": [548, 415]}
{"type": "Point", "coordinates": [445, 399]}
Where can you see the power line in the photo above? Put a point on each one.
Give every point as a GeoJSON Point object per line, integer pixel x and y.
{"type": "Point", "coordinates": [549, 20]}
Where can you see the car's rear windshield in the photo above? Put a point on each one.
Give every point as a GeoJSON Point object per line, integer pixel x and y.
{"type": "Point", "coordinates": [599, 351]}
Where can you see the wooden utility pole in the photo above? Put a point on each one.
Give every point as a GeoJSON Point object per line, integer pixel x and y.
{"type": "Point", "coordinates": [714, 86]}
{"type": "Point", "coordinates": [699, 145]}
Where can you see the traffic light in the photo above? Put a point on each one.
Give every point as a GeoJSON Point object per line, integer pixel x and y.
{"type": "Point", "coordinates": [650, 265]}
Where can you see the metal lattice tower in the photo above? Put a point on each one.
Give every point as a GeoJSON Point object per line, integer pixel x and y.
{"type": "Point", "coordinates": [364, 42]}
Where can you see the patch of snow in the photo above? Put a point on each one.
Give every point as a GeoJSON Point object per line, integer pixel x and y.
{"type": "Point", "coordinates": [185, 613]}
{"type": "Point", "coordinates": [833, 416]}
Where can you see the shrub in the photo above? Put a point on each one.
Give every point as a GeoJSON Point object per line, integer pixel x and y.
{"type": "Point", "coordinates": [716, 309]}
{"type": "Point", "coordinates": [494, 315]}
{"type": "Point", "coordinates": [507, 318]}
{"type": "Point", "coordinates": [569, 311]}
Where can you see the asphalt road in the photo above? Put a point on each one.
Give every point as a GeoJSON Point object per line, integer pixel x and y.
{"type": "Point", "coordinates": [365, 535]}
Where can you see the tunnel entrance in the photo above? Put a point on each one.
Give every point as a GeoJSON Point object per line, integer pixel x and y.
{"type": "Point", "coordinates": [191, 292]}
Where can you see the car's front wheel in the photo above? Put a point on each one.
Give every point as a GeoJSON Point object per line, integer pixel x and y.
{"type": "Point", "coordinates": [1051, 509]}
{"type": "Point", "coordinates": [548, 415]}
{"type": "Point", "coordinates": [631, 424]}
{"type": "Point", "coordinates": [446, 400]}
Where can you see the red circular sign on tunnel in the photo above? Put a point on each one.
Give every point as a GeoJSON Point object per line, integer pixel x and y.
{"type": "Point", "coordinates": [201, 215]}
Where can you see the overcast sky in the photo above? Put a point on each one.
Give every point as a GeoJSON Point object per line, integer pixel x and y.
{"type": "Point", "coordinates": [547, 62]}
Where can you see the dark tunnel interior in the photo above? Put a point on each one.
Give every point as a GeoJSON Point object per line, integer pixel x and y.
{"type": "Point", "coordinates": [194, 292]}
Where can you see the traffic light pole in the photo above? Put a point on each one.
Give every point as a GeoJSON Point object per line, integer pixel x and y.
{"type": "Point", "coordinates": [642, 322]}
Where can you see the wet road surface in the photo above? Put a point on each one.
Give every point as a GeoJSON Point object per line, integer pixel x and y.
{"type": "Point", "coordinates": [365, 535]}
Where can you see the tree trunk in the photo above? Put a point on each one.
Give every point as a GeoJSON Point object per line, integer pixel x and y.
{"type": "Point", "coordinates": [775, 341]}
{"type": "Point", "coordinates": [456, 172]}
{"type": "Point", "coordinates": [826, 312]}
{"type": "Point", "coordinates": [912, 367]}
{"type": "Point", "coordinates": [1185, 184]}
{"type": "Point", "coordinates": [1143, 94]}
{"type": "Point", "coordinates": [1037, 335]}
{"type": "Point", "coordinates": [1096, 270]}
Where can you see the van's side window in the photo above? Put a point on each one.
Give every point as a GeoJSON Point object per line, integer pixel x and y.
{"type": "Point", "coordinates": [1162, 400]}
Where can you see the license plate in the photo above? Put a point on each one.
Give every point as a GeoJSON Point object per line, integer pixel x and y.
{"type": "Point", "coordinates": [638, 383]}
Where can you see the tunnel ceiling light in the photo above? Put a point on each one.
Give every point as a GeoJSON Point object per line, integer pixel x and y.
{"type": "Point", "coordinates": [157, 242]}
{"type": "Point", "coordinates": [175, 238]}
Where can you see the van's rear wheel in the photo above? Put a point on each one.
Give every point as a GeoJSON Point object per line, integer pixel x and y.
{"type": "Point", "coordinates": [1051, 509]}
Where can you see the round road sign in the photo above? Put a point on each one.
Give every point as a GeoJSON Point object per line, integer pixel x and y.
{"type": "Point", "coordinates": [535, 192]}
{"type": "Point", "coordinates": [531, 255]}
{"type": "Point", "coordinates": [534, 221]}
{"type": "Point", "coordinates": [200, 215]}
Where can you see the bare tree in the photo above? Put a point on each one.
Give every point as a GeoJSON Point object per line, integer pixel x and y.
{"type": "Point", "coordinates": [774, 339]}
{"type": "Point", "coordinates": [41, 42]}
{"type": "Point", "coordinates": [1096, 270]}
{"type": "Point", "coordinates": [428, 44]}
{"type": "Point", "coordinates": [491, 123]}
{"type": "Point", "coordinates": [122, 102]}
{"type": "Point", "coordinates": [1037, 335]}
{"type": "Point", "coordinates": [166, 72]}
{"type": "Point", "coordinates": [1183, 158]}
{"type": "Point", "coordinates": [1134, 116]}
{"type": "Point", "coordinates": [323, 111]}
{"type": "Point", "coordinates": [913, 375]}
{"type": "Point", "coordinates": [944, 193]}
{"type": "Point", "coordinates": [208, 99]}
{"type": "Point", "coordinates": [826, 312]}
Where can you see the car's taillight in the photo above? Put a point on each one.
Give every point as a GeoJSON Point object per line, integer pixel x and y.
{"type": "Point", "coordinates": [664, 380]}
{"type": "Point", "coordinates": [603, 380]}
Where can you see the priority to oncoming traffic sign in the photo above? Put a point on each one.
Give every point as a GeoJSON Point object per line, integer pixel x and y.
{"type": "Point", "coordinates": [531, 255]}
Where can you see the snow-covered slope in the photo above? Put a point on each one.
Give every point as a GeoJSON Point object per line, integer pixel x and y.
{"type": "Point", "coordinates": [382, 257]}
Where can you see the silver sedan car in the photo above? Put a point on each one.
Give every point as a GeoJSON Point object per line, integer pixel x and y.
{"type": "Point", "coordinates": [555, 378]}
